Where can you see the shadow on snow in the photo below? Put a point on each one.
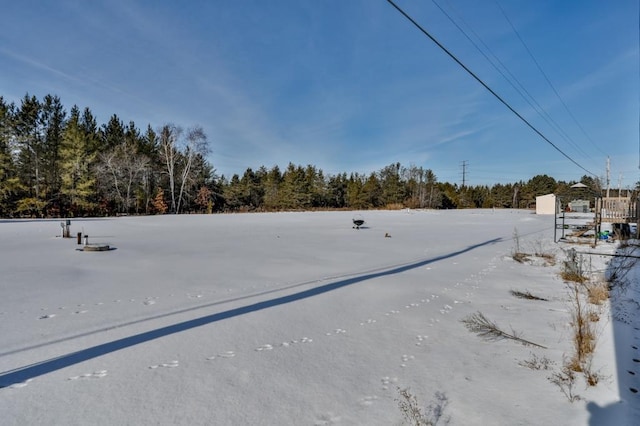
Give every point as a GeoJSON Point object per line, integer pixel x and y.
{"type": "Point", "coordinates": [27, 372]}
{"type": "Point", "coordinates": [625, 317]}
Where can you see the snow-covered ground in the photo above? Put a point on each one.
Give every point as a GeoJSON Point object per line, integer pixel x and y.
{"type": "Point", "coordinates": [299, 319]}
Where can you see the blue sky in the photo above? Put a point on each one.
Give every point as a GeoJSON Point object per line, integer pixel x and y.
{"type": "Point", "coordinates": [349, 85]}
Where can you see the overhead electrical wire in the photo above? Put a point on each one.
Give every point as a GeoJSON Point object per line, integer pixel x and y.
{"type": "Point", "coordinates": [535, 61]}
{"type": "Point", "coordinates": [472, 74]}
{"type": "Point", "coordinates": [520, 89]}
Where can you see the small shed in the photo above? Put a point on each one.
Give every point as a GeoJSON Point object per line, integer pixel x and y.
{"type": "Point", "coordinates": [546, 204]}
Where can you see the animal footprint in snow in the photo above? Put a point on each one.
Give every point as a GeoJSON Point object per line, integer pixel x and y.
{"type": "Point", "coordinates": [172, 364]}
{"type": "Point", "coordinates": [95, 375]}
{"type": "Point", "coordinates": [264, 348]}
{"type": "Point", "coordinates": [420, 339]}
{"type": "Point", "coordinates": [227, 354]}
{"type": "Point", "coordinates": [405, 359]}
{"type": "Point", "coordinates": [84, 311]}
{"type": "Point", "coordinates": [337, 331]}
{"type": "Point", "coordinates": [445, 309]}
{"type": "Point", "coordinates": [303, 340]}
{"type": "Point", "coordinates": [369, 321]}
{"type": "Point", "coordinates": [47, 316]}
{"type": "Point", "coordinates": [386, 381]}
{"type": "Point", "coordinates": [149, 302]}
{"type": "Point", "coordinates": [327, 419]}
{"type": "Point", "coordinates": [368, 400]}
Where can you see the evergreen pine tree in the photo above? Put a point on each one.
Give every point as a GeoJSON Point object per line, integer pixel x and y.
{"type": "Point", "coordinates": [76, 158]}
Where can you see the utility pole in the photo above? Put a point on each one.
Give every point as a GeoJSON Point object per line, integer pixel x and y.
{"type": "Point", "coordinates": [619, 186]}
{"type": "Point", "coordinates": [608, 175]}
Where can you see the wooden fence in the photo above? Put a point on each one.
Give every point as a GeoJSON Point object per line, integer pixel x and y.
{"type": "Point", "coordinates": [617, 209]}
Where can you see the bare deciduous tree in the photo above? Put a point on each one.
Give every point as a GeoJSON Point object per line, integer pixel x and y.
{"type": "Point", "coordinates": [119, 171]}
{"type": "Point", "coordinates": [179, 155]}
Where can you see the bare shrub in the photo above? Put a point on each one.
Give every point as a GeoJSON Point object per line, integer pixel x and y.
{"type": "Point", "coordinates": [540, 251]}
{"type": "Point", "coordinates": [621, 265]}
{"type": "Point", "coordinates": [584, 334]}
{"type": "Point", "coordinates": [488, 330]}
{"type": "Point", "coordinates": [536, 363]}
{"type": "Point", "coordinates": [591, 377]}
{"type": "Point", "coordinates": [565, 379]}
{"type": "Point", "coordinates": [517, 254]}
{"type": "Point", "coordinates": [413, 414]}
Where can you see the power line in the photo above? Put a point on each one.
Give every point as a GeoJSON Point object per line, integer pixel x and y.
{"type": "Point", "coordinates": [520, 89]}
{"type": "Point", "coordinates": [547, 78]}
{"type": "Point", "coordinates": [472, 74]}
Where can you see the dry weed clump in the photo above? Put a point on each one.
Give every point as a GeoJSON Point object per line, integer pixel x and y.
{"type": "Point", "coordinates": [585, 298]}
{"type": "Point", "coordinates": [584, 333]}
{"type": "Point", "coordinates": [573, 276]}
{"type": "Point", "coordinates": [598, 293]}
{"type": "Point", "coordinates": [413, 414]}
{"type": "Point", "coordinates": [565, 379]}
{"type": "Point", "coordinates": [517, 254]}
{"type": "Point", "coordinates": [536, 363]}
{"type": "Point", "coordinates": [520, 257]}
{"type": "Point", "coordinates": [538, 252]}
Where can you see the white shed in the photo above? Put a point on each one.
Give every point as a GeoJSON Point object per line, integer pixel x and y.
{"type": "Point", "coordinates": [546, 204]}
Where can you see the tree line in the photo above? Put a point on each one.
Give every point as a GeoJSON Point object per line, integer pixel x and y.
{"type": "Point", "coordinates": [55, 163]}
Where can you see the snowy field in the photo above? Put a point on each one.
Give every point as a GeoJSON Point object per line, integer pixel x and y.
{"type": "Point", "coordinates": [298, 319]}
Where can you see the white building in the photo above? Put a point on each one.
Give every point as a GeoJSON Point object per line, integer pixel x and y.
{"type": "Point", "coordinates": [546, 204]}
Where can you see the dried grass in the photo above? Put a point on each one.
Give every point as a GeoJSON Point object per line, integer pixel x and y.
{"type": "Point", "coordinates": [527, 295]}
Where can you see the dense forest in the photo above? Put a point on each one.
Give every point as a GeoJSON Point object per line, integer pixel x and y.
{"type": "Point", "coordinates": [55, 163]}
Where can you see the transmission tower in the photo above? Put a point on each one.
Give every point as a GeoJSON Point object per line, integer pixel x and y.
{"type": "Point", "coordinates": [464, 173]}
